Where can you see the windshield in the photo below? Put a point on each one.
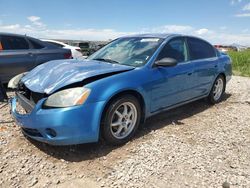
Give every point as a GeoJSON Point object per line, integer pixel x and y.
{"type": "Point", "coordinates": [133, 51]}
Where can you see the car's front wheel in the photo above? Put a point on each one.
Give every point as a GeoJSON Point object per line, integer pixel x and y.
{"type": "Point", "coordinates": [121, 119]}
{"type": "Point", "coordinates": [217, 90]}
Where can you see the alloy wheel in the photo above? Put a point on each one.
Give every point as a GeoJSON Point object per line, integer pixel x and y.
{"type": "Point", "coordinates": [218, 89]}
{"type": "Point", "coordinates": [123, 120]}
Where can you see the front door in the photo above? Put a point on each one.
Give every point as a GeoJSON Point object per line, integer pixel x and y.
{"type": "Point", "coordinates": [172, 85]}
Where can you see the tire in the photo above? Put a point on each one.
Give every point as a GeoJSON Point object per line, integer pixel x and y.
{"type": "Point", "coordinates": [118, 127]}
{"type": "Point", "coordinates": [216, 96]}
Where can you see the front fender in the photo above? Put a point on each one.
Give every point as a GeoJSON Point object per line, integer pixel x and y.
{"type": "Point", "coordinates": [104, 89]}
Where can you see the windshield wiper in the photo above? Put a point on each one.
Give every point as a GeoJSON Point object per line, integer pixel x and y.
{"type": "Point", "coordinates": [107, 60]}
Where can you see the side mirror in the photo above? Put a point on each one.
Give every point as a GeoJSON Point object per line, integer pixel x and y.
{"type": "Point", "coordinates": [166, 62]}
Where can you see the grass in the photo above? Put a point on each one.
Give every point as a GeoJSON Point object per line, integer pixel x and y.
{"type": "Point", "coordinates": [241, 62]}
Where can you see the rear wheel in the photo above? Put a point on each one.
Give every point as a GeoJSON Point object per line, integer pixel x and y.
{"type": "Point", "coordinates": [217, 90]}
{"type": "Point", "coordinates": [121, 120]}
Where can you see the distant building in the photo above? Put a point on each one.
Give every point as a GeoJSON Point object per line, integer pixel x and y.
{"type": "Point", "coordinates": [225, 48]}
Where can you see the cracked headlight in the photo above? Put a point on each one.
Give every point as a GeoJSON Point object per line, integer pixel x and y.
{"type": "Point", "coordinates": [68, 97]}
{"type": "Point", "coordinates": [13, 83]}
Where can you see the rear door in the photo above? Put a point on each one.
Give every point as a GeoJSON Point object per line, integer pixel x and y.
{"type": "Point", "coordinates": [15, 57]}
{"type": "Point", "coordinates": [44, 51]}
{"type": "Point", "coordinates": [205, 62]}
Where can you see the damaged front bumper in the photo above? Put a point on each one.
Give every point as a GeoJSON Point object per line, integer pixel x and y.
{"type": "Point", "coordinates": [58, 126]}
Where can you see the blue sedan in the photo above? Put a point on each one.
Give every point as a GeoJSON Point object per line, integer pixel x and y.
{"type": "Point", "coordinates": [109, 94]}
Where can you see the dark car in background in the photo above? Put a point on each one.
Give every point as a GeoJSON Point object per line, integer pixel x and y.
{"type": "Point", "coordinates": [20, 53]}
{"type": "Point", "coordinates": [87, 48]}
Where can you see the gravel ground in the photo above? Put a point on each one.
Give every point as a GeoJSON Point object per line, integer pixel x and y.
{"type": "Point", "coordinates": [196, 145]}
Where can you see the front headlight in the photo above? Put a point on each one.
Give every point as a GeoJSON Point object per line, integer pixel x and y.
{"type": "Point", "coordinates": [13, 83]}
{"type": "Point", "coordinates": [68, 97]}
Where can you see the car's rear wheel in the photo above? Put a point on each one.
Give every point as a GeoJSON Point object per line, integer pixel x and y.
{"type": "Point", "coordinates": [217, 90]}
{"type": "Point", "coordinates": [121, 119]}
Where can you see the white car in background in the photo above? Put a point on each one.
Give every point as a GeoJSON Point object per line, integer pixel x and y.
{"type": "Point", "coordinates": [76, 51]}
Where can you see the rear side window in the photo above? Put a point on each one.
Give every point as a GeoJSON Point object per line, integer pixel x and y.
{"type": "Point", "coordinates": [35, 44]}
{"type": "Point", "coordinates": [199, 49]}
{"type": "Point", "coordinates": [14, 43]}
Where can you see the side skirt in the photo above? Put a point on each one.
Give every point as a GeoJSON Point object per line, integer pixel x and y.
{"type": "Point", "coordinates": [176, 105]}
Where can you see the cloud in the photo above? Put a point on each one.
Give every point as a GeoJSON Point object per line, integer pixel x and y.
{"type": "Point", "coordinates": [223, 28]}
{"type": "Point", "coordinates": [169, 29]}
{"type": "Point", "coordinates": [246, 7]}
{"type": "Point", "coordinates": [181, 29]}
{"type": "Point", "coordinates": [36, 21]}
{"type": "Point", "coordinates": [245, 30]}
{"type": "Point", "coordinates": [245, 12]}
{"type": "Point", "coordinates": [233, 2]}
{"type": "Point", "coordinates": [224, 38]}
{"type": "Point", "coordinates": [10, 27]}
{"type": "Point", "coordinates": [202, 31]}
{"type": "Point", "coordinates": [89, 34]}
{"type": "Point", "coordinates": [33, 18]}
{"type": "Point", "coordinates": [242, 15]}
{"type": "Point", "coordinates": [77, 34]}
{"type": "Point", "coordinates": [216, 37]}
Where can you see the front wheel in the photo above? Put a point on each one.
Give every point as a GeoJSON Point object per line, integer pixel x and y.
{"type": "Point", "coordinates": [217, 90]}
{"type": "Point", "coordinates": [121, 120]}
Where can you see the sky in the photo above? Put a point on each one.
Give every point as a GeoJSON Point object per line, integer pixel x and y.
{"type": "Point", "coordinates": [218, 21]}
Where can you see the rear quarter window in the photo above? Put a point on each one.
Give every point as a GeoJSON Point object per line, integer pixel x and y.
{"type": "Point", "coordinates": [199, 49]}
{"type": "Point", "coordinates": [35, 44]}
{"type": "Point", "coordinates": [14, 43]}
{"type": "Point", "coordinates": [56, 44]}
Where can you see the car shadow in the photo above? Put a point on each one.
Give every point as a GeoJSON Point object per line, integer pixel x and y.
{"type": "Point", "coordinates": [176, 115]}
{"type": "Point", "coordinates": [82, 152]}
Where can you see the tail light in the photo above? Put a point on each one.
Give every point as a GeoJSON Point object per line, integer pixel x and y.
{"type": "Point", "coordinates": [68, 55]}
{"type": "Point", "coordinates": [1, 47]}
{"type": "Point", "coordinates": [79, 50]}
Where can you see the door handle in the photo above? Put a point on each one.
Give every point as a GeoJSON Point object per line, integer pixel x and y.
{"type": "Point", "coordinates": [190, 73]}
{"type": "Point", "coordinates": [30, 54]}
{"type": "Point", "coordinates": [215, 66]}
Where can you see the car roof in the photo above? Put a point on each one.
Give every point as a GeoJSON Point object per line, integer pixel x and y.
{"type": "Point", "coordinates": [55, 41]}
{"type": "Point", "coordinates": [12, 34]}
{"type": "Point", "coordinates": [59, 42]}
{"type": "Point", "coordinates": [154, 35]}
{"type": "Point", "coordinates": [163, 36]}
{"type": "Point", "coordinates": [18, 35]}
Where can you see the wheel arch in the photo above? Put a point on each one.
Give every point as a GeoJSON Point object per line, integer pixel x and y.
{"type": "Point", "coordinates": [222, 74]}
{"type": "Point", "coordinates": [216, 76]}
{"type": "Point", "coordinates": [134, 93]}
{"type": "Point", "coordinates": [225, 79]}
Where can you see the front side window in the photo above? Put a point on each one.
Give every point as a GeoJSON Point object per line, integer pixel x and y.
{"type": "Point", "coordinates": [199, 49]}
{"type": "Point", "coordinates": [175, 49]}
{"type": "Point", "coordinates": [132, 51]}
{"type": "Point", "coordinates": [14, 43]}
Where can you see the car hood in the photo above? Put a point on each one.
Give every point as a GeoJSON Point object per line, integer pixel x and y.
{"type": "Point", "coordinates": [49, 77]}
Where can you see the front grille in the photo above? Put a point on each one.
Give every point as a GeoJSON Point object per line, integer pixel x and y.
{"type": "Point", "coordinates": [35, 97]}
{"type": "Point", "coordinates": [30, 95]}
{"type": "Point", "coordinates": [32, 132]}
